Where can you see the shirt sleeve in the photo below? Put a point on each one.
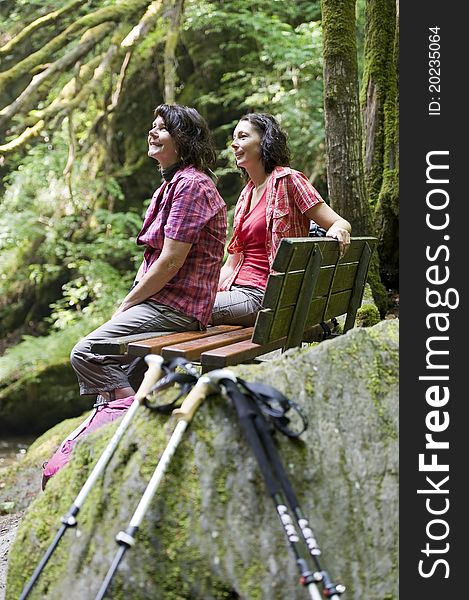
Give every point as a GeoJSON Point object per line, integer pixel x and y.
{"type": "Point", "coordinates": [304, 194]}
{"type": "Point", "coordinates": [190, 212]}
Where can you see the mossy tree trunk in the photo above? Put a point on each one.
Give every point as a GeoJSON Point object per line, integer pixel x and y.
{"type": "Point", "coordinates": [345, 172]}
{"type": "Point", "coordinates": [175, 9]}
{"type": "Point", "coordinates": [380, 117]}
{"type": "Point", "coordinates": [345, 176]}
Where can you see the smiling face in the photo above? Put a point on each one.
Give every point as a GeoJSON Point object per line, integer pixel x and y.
{"type": "Point", "coordinates": [246, 145]}
{"type": "Point", "coordinates": [161, 145]}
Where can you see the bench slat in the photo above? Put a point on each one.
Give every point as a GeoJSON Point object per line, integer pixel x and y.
{"type": "Point", "coordinates": [236, 353]}
{"type": "Point", "coordinates": [359, 284]}
{"type": "Point", "coordinates": [193, 349]}
{"type": "Point", "coordinates": [300, 312]}
{"type": "Point", "coordinates": [270, 326]}
{"type": "Point", "coordinates": [155, 345]}
{"type": "Point", "coordinates": [243, 351]}
{"type": "Point", "coordinates": [292, 253]}
{"type": "Point", "coordinates": [353, 254]}
{"type": "Point", "coordinates": [115, 346]}
{"type": "Point", "coordinates": [290, 283]}
{"type": "Point", "coordinates": [284, 288]}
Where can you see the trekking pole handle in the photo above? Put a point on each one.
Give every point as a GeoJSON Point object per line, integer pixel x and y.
{"type": "Point", "coordinates": [192, 401]}
{"type": "Point", "coordinates": [207, 384]}
{"type": "Point", "coordinates": [152, 374]}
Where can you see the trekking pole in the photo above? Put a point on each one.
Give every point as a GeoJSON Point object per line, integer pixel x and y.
{"type": "Point", "coordinates": [152, 374]}
{"type": "Point", "coordinates": [206, 385]}
{"type": "Point", "coordinates": [320, 576]}
{"type": "Point", "coordinates": [258, 434]}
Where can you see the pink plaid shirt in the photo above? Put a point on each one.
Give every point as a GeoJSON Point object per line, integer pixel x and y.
{"type": "Point", "coordinates": [187, 209]}
{"type": "Point", "coordinates": [289, 196]}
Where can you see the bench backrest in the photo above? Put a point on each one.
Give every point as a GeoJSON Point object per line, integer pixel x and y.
{"type": "Point", "coordinates": [312, 285]}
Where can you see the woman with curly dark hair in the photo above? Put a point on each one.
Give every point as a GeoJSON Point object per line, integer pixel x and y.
{"type": "Point", "coordinates": [184, 234]}
{"type": "Point", "coordinates": [277, 202]}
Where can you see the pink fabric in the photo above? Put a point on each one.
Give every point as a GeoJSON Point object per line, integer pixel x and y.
{"type": "Point", "coordinates": [101, 416]}
{"type": "Point", "coordinates": [289, 194]}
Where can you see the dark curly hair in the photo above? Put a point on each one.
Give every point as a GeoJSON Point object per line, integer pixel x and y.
{"type": "Point", "coordinates": [274, 143]}
{"type": "Point", "coordinates": [191, 135]}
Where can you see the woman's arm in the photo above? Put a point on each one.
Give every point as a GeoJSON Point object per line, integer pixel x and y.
{"type": "Point", "coordinates": [334, 224]}
{"type": "Point", "coordinates": [228, 268]}
{"type": "Point", "coordinates": [171, 259]}
{"type": "Point", "coordinates": [139, 274]}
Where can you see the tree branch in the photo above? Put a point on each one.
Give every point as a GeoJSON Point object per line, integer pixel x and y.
{"type": "Point", "coordinates": [71, 155]}
{"type": "Point", "coordinates": [19, 141]}
{"type": "Point", "coordinates": [51, 17]}
{"type": "Point", "coordinates": [70, 98]}
{"type": "Point", "coordinates": [146, 23]}
{"type": "Point", "coordinates": [120, 82]}
{"type": "Point", "coordinates": [89, 40]}
{"type": "Point", "coordinates": [108, 13]}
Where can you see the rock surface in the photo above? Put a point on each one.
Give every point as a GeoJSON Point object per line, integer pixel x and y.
{"type": "Point", "coordinates": [8, 527]}
{"type": "Point", "coordinates": [212, 533]}
{"type": "Point", "coordinates": [36, 401]}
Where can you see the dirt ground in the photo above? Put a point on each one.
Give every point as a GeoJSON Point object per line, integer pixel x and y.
{"type": "Point", "coordinates": [18, 489]}
{"type": "Point", "coordinates": [8, 527]}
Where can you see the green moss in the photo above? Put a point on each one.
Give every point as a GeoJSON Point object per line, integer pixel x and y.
{"type": "Point", "coordinates": [380, 295]}
{"type": "Point", "coordinates": [382, 153]}
{"type": "Point", "coordinates": [367, 316]}
{"type": "Point", "coordinates": [249, 578]}
{"type": "Point", "coordinates": [381, 21]}
{"type": "Point", "coordinates": [183, 548]}
{"type": "Point", "coordinates": [339, 22]}
{"type": "Point", "coordinates": [166, 536]}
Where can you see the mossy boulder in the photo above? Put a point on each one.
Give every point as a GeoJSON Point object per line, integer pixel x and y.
{"type": "Point", "coordinates": [39, 399]}
{"type": "Point", "coordinates": [368, 313]}
{"type": "Point", "coordinates": [21, 481]}
{"type": "Point", "coordinates": [211, 532]}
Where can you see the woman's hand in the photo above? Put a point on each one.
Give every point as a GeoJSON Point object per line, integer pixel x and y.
{"type": "Point", "coordinates": [228, 269]}
{"type": "Point", "coordinates": [342, 235]}
{"type": "Point", "coordinates": [334, 224]}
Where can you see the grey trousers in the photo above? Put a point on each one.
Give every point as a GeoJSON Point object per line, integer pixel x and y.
{"type": "Point", "coordinates": [99, 373]}
{"type": "Point", "coordinates": [238, 306]}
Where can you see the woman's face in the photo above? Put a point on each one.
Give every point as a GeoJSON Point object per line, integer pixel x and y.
{"type": "Point", "coordinates": [161, 145]}
{"type": "Point", "coordinates": [246, 145]}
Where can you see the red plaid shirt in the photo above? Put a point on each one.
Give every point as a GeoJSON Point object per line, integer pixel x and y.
{"type": "Point", "coordinates": [187, 209]}
{"type": "Point", "coordinates": [289, 195]}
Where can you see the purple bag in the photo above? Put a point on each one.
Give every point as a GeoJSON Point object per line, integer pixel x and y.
{"type": "Point", "coordinates": [104, 413]}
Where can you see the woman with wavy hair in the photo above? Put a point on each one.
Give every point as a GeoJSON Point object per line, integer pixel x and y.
{"type": "Point", "coordinates": [276, 202]}
{"type": "Point", "coordinates": [183, 235]}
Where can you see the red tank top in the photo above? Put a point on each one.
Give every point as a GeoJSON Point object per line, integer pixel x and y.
{"type": "Point", "coordinates": [255, 268]}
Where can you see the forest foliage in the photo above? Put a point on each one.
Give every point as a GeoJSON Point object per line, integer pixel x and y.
{"type": "Point", "coordinates": [78, 84]}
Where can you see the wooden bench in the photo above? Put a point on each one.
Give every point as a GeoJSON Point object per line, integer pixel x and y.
{"type": "Point", "coordinates": [311, 287]}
